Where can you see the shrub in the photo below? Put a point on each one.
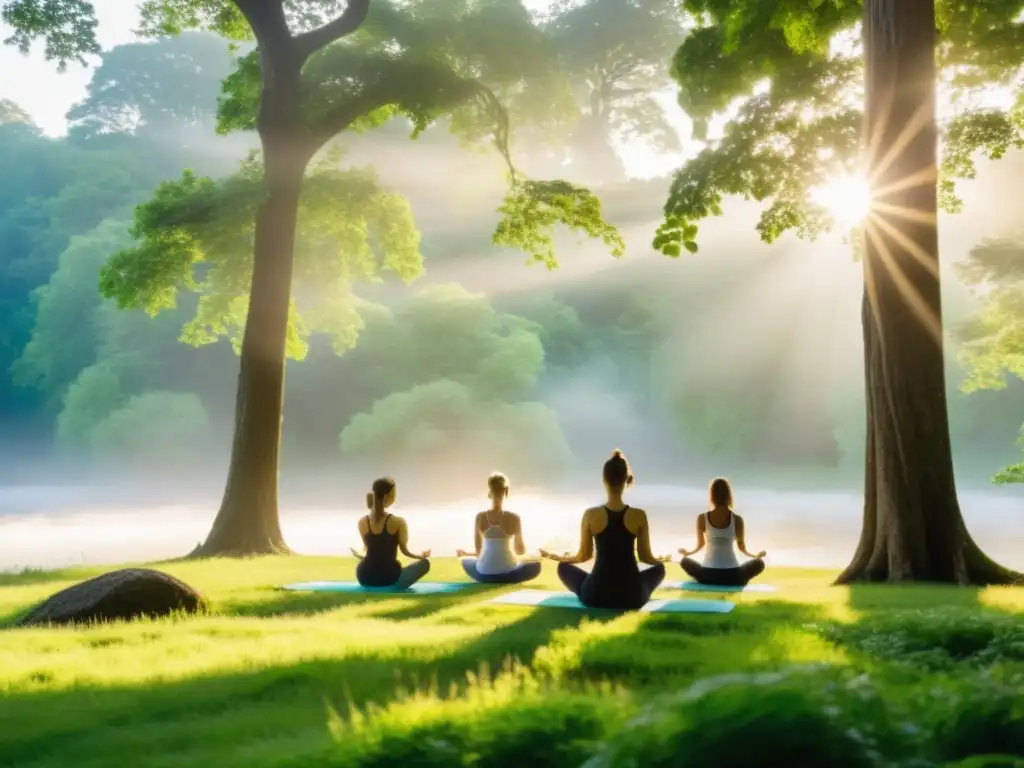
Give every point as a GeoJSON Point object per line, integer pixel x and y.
{"type": "Point", "coordinates": [975, 715]}
{"type": "Point", "coordinates": [934, 640]}
{"type": "Point", "coordinates": [803, 716]}
{"type": "Point", "coordinates": [517, 726]}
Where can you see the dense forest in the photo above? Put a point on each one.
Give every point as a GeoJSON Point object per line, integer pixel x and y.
{"type": "Point", "coordinates": [443, 347]}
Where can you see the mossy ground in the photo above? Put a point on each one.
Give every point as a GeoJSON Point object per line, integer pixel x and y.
{"type": "Point", "coordinates": [274, 678]}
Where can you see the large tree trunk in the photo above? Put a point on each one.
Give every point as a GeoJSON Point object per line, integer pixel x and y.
{"type": "Point", "coordinates": [913, 528]}
{"type": "Point", "coordinates": [247, 523]}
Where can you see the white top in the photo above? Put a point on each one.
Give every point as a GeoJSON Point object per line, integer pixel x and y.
{"type": "Point", "coordinates": [721, 551]}
{"type": "Point", "coordinates": [496, 556]}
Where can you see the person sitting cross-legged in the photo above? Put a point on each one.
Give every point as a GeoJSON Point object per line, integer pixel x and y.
{"type": "Point", "coordinates": [383, 536]}
{"type": "Point", "coordinates": [622, 536]}
{"type": "Point", "coordinates": [495, 533]}
{"type": "Point", "coordinates": [723, 531]}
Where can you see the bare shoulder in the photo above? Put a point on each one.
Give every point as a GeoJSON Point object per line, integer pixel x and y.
{"type": "Point", "coordinates": [364, 524]}
{"type": "Point", "coordinates": [702, 520]}
{"type": "Point", "coordinates": [395, 524]}
{"type": "Point", "coordinates": [592, 511]}
{"type": "Point", "coordinates": [481, 520]}
{"type": "Point", "coordinates": [636, 513]}
{"type": "Point", "coordinates": [738, 519]}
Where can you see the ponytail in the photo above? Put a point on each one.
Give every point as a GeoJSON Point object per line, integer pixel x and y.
{"type": "Point", "coordinates": [381, 488]}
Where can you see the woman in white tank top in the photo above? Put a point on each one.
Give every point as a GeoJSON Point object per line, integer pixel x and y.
{"type": "Point", "coordinates": [498, 538]}
{"type": "Point", "coordinates": [722, 530]}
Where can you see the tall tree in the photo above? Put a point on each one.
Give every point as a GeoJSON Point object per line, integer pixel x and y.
{"type": "Point", "coordinates": [805, 128]}
{"type": "Point", "coordinates": [14, 114]}
{"type": "Point", "coordinates": [615, 54]}
{"type": "Point", "coordinates": [317, 71]}
{"type": "Point", "coordinates": [169, 84]}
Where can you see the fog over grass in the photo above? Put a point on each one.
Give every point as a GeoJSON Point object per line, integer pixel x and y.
{"type": "Point", "coordinates": [48, 527]}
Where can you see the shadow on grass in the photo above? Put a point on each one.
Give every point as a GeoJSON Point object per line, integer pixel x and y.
{"type": "Point", "coordinates": [283, 602]}
{"type": "Point", "coordinates": [923, 628]}
{"type": "Point", "coordinates": [119, 725]}
{"type": "Point", "coordinates": [663, 649]}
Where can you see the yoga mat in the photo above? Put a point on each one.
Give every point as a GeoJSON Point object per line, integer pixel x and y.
{"type": "Point", "coordinates": [694, 586]}
{"type": "Point", "coordinates": [419, 588]}
{"type": "Point", "coordinates": [542, 599]}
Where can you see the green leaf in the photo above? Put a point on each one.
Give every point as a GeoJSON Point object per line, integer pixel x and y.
{"type": "Point", "coordinates": [532, 210]}
{"type": "Point", "coordinates": [196, 234]}
{"type": "Point", "coordinates": [66, 27]}
{"type": "Point", "coordinates": [791, 104]}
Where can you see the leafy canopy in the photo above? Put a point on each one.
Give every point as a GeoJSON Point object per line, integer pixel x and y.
{"type": "Point", "coordinates": [791, 70]}
{"type": "Point", "coordinates": [447, 332]}
{"type": "Point", "coordinates": [14, 114]}
{"type": "Point", "coordinates": [197, 234]}
{"type": "Point", "coordinates": [993, 338]}
{"type": "Point", "coordinates": [436, 423]}
{"type": "Point", "coordinates": [66, 27]}
{"type": "Point", "coordinates": [152, 429]}
{"type": "Point", "coordinates": [423, 59]}
{"type": "Point", "coordinates": [65, 335]}
{"type": "Point", "coordinates": [480, 64]}
{"type": "Point", "coordinates": [615, 54]}
{"type": "Point", "coordinates": [173, 82]}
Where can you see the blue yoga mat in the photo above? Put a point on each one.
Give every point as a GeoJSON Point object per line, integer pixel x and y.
{"type": "Point", "coordinates": [694, 586]}
{"type": "Point", "coordinates": [419, 588]}
{"type": "Point", "coordinates": [541, 599]}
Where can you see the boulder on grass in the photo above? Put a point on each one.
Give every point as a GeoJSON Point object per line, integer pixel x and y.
{"type": "Point", "coordinates": [126, 594]}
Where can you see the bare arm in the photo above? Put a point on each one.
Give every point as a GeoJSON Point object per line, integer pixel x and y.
{"type": "Point", "coordinates": [362, 535]}
{"type": "Point", "coordinates": [403, 542]}
{"type": "Point", "coordinates": [520, 545]}
{"type": "Point", "coordinates": [700, 539]}
{"type": "Point", "coordinates": [741, 543]}
{"type": "Point", "coordinates": [643, 542]}
{"type": "Point", "coordinates": [586, 549]}
{"type": "Point", "coordinates": [478, 541]}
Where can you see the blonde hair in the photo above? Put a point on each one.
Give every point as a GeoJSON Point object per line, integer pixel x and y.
{"type": "Point", "coordinates": [497, 483]}
{"type": "Point", "coordinates": [720, 493]}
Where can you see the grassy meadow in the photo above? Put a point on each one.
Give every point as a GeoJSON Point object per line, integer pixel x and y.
{"type": "Point", "coordinates": [811, 675]}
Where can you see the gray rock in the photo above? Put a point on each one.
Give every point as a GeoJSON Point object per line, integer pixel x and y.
{"type": "Point", "coordinates": [126, 594]}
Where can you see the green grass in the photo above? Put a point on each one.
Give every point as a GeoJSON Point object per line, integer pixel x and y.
{"type": "Point", "coordinates": [863, 676]}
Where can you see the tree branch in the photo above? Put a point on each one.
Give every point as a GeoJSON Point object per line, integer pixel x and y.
{"type": "Point", "coordinates": [461, 90]}
{"type": "Point", "coordinates": [270, 28]}
{"type": "Point", "coordinates": [348, 22]}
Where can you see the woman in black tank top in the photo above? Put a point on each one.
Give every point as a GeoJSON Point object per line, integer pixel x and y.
{"type": "Point", "coordinates": [383, 536]}
{"type": "Point", "coordinates": [621, 533]}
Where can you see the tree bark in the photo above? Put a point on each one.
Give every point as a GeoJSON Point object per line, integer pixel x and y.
{"type": "Point", "coordinates": [248, 522]}
{"type": "Point", "coordinates": [913, 528]}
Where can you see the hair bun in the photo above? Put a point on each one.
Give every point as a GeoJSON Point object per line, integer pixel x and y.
{"type": "Point", "coordinates": [616, 454]}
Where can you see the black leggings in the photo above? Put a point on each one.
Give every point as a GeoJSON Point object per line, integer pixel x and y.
{"type": "Point", "coordinates": [573, 578]}
{"type": "Point", "coordinates": [522, 572]}
{"type": "Point", "coordinates": [406, 578]}
{"type": "Point", "coordinates": [723, 577]}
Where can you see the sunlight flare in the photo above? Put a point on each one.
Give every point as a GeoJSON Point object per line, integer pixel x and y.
{"type": "Point", "coordinates": [848, 199]}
